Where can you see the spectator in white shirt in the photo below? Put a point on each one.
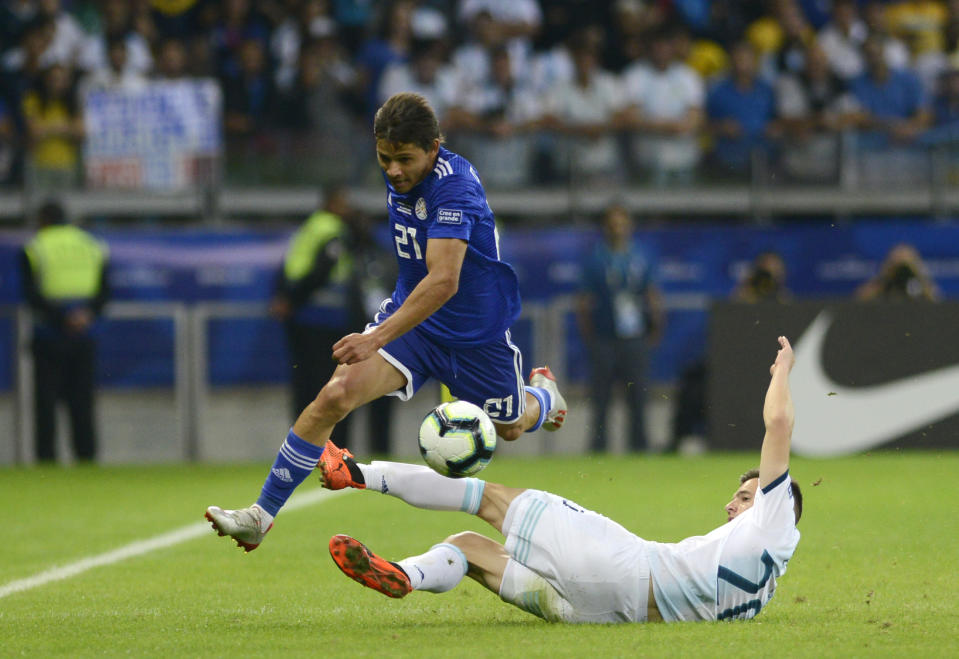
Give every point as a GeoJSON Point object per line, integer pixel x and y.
{"type": "Point", "coordinates": [811, 107]}
{"type": "Point", "coordinates": [666, 112]}
{"type": "Point", "coordinates": [841, 39]}
{"type": "Point", "coordinates": [310, 19]}
{"type": "Point", "coordinates": [117, 23]}
{"type": "Point", "coordinates": [472, 59]}
{"type": "Point", "coordinates": [517, 21]}
{"type": "Point", "coordinates": [118, 75]}
{"type": "Point", "coordinates": [551, 67]}
{"type": "Point", "coordinates": [68, 36]}
{"type": "Point", "coordinates": [427, 74]}
{"type": "Point", "coordinates": [491, 124]}
{"type": "Point", "coordinates": [588, 110]}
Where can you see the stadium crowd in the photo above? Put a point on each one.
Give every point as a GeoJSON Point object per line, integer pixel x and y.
{"type": "Point", "coordinates": [533, 91]}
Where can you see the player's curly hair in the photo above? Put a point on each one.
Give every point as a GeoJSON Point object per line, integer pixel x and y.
{"type": "Point", "coordinates": [797, 492]}
{"type": "Point", "coordinates": [407, 118]}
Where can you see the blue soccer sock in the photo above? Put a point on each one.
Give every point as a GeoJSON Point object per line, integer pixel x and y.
{"type": "Point", "coordinates": [295, 461]}
{"type": "Point", "coordinates": [545, 400]}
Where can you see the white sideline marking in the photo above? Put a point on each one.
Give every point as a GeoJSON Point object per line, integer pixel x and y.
{"type": "Point", "coordinates": [140, 547]}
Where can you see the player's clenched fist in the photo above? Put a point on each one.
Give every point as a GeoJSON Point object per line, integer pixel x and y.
{"type": "Point", "coordinates": [354, 348]}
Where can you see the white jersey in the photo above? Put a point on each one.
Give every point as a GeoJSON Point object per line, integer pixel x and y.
{"type": "Point", "coordinates": [732, 571]}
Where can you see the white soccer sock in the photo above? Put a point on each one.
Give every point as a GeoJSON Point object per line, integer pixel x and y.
{"type": "Point", "coordinates": [436, 571]}
{"type": "Point", "coordinates": [420, 486]}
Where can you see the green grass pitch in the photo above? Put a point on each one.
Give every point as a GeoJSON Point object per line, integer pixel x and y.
{"type": "Point", "coordinates": [876, 572]}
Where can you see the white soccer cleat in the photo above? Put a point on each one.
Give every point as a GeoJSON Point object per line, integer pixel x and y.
{"type": "Point", "coordinates": [245, 526]}
{"type": "Point", "coordinates": [556, 414]}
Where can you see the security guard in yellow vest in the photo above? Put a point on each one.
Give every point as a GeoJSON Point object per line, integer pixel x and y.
{"type": "Point", "coordinates": [64, 272]}
{"type": "Point", "coordinates": [312, 298]}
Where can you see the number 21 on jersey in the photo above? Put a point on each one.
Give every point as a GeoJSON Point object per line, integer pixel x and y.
{"type": "Point", "coordinates": [406, 239]}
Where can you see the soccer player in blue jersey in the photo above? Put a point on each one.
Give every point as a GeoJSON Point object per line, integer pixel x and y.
{"type": "Point", "coordinates": [448, 318]}
{"type": "Point", "coordinates": [564, 563]}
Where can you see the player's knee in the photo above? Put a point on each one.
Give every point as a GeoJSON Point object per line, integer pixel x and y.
{"type": "Point", "coordinates": [333, 402]}
{"type": "Point", "coordinates": [486, 558]}
{"type": "Point", "coordinates": [470, 543]}
{"type": "Point", "coordinates": [510, 432]}
{"type": "Point", "coordinates": [463, 539]}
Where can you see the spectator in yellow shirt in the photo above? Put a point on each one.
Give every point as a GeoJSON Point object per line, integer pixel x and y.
{"type": "Point", "coordinates": [54, 130]}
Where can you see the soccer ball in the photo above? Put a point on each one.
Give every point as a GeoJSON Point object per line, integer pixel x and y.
{"type": "Point", "coordinates": [457, 439]}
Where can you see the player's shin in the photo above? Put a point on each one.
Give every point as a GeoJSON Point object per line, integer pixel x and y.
{"type": "Point", "coordinates": [295, 461]}
{"type": "Point", "coordinates": [420, 486]}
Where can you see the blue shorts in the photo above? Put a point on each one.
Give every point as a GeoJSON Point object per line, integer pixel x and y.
{"type": "Point", "coordinates": [488, 375]}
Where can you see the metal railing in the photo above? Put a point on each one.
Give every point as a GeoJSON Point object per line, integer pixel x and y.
{"type": "Point", "coordinates": [192, 387]}
{"type": "Point", "coordinates": [765, 189]}
{"type": "Point", "coordinates": [183, 381]}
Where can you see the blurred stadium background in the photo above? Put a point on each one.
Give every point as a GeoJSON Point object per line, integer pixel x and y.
{"type": "Point", "coordinates": [194, 135]}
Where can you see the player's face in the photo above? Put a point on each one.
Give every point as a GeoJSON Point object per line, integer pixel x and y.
{"type": "Point", "coordinates": [405, 164]}
{"type": "Point", "coordinates": [742, 500]}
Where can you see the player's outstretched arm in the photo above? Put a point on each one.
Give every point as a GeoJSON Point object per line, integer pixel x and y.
{"type": "Point", "coordinates": [779, 416]}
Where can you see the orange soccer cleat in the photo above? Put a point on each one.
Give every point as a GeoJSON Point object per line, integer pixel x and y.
{"type": "Point", "coordinates": [338, 469]}
{"type": "Point", "coordinates": [363, 566]}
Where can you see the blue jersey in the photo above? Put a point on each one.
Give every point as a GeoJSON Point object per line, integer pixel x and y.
{"type": "Point", "coordinates": [451, 203]}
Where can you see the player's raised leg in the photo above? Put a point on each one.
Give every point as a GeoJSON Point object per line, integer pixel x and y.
{"type": "Point", "coordinates": [545, 407]}
{"type": "Point", "coordinates": [350, 387]}
{"type": "Point", "coordinates": [417, 485]}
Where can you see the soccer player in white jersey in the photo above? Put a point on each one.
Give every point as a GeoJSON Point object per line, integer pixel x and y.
{"type": "Point", "coordinates": [564, 563]}
{"type": "Point", "coordinates": [448, 318]}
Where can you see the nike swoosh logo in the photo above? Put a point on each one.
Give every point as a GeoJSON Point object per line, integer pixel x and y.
{"type": "Point", "coordinates": [832, 419]}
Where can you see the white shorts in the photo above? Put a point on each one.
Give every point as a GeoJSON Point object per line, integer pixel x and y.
{"type": "Point", "coordinates": [570, 564]}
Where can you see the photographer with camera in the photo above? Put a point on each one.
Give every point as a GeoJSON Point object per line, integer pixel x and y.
{"type": "Point", "coordinates": [765, 281]}
{"type": "Point", "coordinates": [902, 276]}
